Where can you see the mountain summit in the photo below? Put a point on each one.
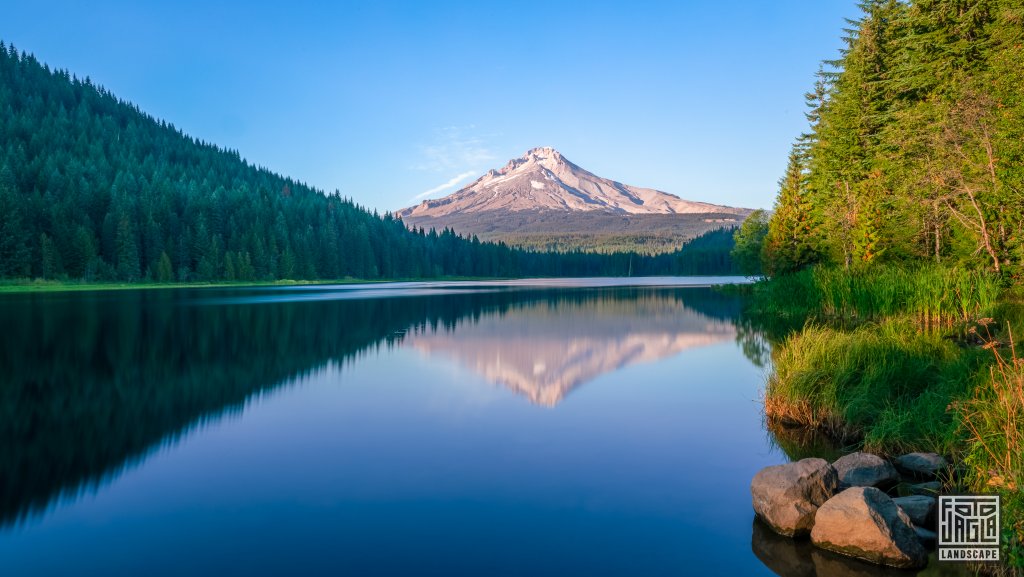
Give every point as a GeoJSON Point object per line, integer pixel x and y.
{"type": "Point", "coordinates": [544, 180]}
{"type": "Point", "coordinates": [542, 201]}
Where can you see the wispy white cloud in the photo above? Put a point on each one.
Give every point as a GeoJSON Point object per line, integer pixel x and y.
{"type": "Point", "coordinates": [454, 148]}
{"type": "Point", "coordinates": [442, 187]}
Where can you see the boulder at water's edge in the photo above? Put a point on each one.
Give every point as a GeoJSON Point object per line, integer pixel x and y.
{"type": "Point", "coordinates": [865, 470]}
{"type": "Point", "coordinates": [863, 522]}
{"type": "Point", "coordinates": [921, 465]}
{"type": "Point", "coordinates": [920, 509]}
{"type": "Point", "coordinates": [786, 497]}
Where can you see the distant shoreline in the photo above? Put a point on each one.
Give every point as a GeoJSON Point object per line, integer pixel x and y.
{"type": "Point", "coordinates": [46, 286]}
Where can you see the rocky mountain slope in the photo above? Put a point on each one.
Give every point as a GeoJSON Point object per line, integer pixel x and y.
{"type": "Point", "coordinates": [543, 179]}
{"type": "Point", "coordinates": [542, 200]}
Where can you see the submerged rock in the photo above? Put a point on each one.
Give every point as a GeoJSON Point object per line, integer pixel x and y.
{"type": "Point", "coordinates": [920, 509]}
{"type": "Point", "coordinates": [865, 470]}
{"type": "Point", "coordinates": [787, 496]}
{"type": "Point", "coordinates": [921, 465]}
{"type": "Point", "coordinates": [863, 522]}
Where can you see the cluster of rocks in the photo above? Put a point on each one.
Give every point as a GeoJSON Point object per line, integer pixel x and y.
{"type": "Point", "coordinates": [845, 507]}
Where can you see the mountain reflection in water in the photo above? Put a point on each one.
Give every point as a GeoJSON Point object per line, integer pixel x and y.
{"type": "Point", "coordinates": [93, 383]}
{"type": "Point", "coordinates": [545, 350]}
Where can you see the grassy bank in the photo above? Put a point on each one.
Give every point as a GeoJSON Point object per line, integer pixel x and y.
{"type": "Point", "coordinates": [881, 383]}
{"type": "Point", "coordinates": [898, 360]}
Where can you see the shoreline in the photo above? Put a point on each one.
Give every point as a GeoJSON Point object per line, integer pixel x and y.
{"type": "Point", "coordinates": [36, 286]}
{"type": "Point", "coordinates": [43, 286]}
{"type": "Point", "coordinates": [908, 375]}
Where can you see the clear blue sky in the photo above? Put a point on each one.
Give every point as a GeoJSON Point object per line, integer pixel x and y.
{"type": "Point", "coordinates": [385, 101]}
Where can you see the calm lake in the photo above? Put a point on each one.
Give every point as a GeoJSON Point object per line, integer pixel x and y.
{"type": "Point", "coordinates": [576, 427]}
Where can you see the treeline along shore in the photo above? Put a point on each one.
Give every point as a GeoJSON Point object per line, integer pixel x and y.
{"type": "Point", "coordinates": [895, 251]}
{"type": "Point", "coordinates": [94, 190]}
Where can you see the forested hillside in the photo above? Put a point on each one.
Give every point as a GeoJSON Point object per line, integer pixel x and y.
{"type": "Point", "coordinates": [593, 231]}
{"type": "Point", "coordinates": [92, 188]}
{"type": "Point", "coordinates": [916, 147]}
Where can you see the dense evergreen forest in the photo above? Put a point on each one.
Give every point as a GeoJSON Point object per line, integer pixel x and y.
{"type": "Point", "coordinates": [92, 188]}
{"type": "Point", "coordinates": [916, 146]}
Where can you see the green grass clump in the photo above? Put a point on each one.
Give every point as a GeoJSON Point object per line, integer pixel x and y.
{"type": "Point", "coordinates": [885, 383]}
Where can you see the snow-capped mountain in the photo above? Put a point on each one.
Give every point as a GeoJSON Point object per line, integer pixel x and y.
{"type": "Point", "coordinates": [544, 180]}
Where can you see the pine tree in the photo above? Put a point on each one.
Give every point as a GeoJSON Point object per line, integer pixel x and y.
{"type": "Point", "coordinates": [792, 231]}
{"type": "Point", "coordinates": [749, 241]}
{"type": "Point", "coordinates": [51, 265]}
{"type": "Point", "coordinates": [127, 251]}
{"type": "Point", "coordinates": [845, 177]}
{"type": "Point", "coordinates": [14, 250]}
{"type": "Point", "coordinates": [164, 269]}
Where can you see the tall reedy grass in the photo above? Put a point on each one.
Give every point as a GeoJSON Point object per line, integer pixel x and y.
{"type": "Point", "coordinates": [937, 297]}
{"type": "Point", "coordinates": [994, 417]}
{"type": "Point", "coordinates": [992, 420]}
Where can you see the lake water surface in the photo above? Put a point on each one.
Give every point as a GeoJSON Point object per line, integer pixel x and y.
{"type": "Point", "coordinates": [527, 428]}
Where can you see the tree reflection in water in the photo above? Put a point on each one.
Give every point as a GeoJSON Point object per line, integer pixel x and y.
{"type": "Point", "coordinates": [91, 383]}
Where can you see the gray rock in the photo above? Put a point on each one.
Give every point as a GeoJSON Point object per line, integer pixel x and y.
{"type": "Point", "coordinates": [920, 509]}
{"type": "Point", "coordinates": [786, 496]}
{"type": "Point", "coordinates": [921, 465]}
{"type": "Point", "coordinates": [929, 489]}
{"type": "Point", "coordinates": [863, 522]}
{"type": "Point", "coordinates": [926, 537]}
{"type": "Point", "coordinates": [865, 470]}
